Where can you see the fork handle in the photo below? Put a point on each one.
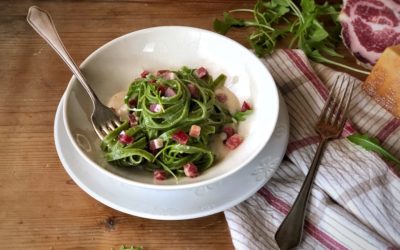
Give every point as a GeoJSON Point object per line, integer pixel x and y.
{"type": "Point", "coordinates": [290, 232]}
{"type": "Point", "coordinates": [42, 23]}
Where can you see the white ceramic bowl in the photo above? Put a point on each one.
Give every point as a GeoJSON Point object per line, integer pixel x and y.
{"type": "Point", "coordinates": [112, 67]}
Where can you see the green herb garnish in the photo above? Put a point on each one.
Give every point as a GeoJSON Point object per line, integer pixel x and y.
{"type": "Point", "coordinates": [130, 248]}
{"type": "Point", "coordinates": [305, 24]}
{"type": "Point", "coordinates": [241, 115]}
{"type": "Point", "coordinates": [228, 22]}
{"type": "Point", "coordinates": [372, 144]}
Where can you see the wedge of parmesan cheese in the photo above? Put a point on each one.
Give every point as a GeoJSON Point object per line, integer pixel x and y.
{"type": "Point", "coordinates": [383, 84]}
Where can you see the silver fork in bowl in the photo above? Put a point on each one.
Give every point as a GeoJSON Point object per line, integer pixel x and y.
{"type": "Point", "coordinates": [329, 126]}
{"type": "Point", "coordinates": [104, 120]}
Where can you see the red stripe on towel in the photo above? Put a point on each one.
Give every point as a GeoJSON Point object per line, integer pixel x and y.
{"type": "Point", "coordinates": [388, 129]}
{"type": "Point", "coordinates": [348, 129]}
{"type": "Point", "coordinates": [295, 145]}
{"type": "Point", "coordinates": [322, 237]}
{"type": "Point", "coordinates": [316, 82]}
{"type": "Point", "coordinates": [322, 90]}
{"type": "Point", "coordinates": [277, 203]}
{"type": "Point", "coordinates": [311, 229]}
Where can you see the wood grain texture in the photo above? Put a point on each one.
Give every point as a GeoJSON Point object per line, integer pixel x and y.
{"type": "Point", "coordinates": [40, 206]}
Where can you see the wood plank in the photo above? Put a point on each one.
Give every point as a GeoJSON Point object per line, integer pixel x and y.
{"type": "Point", "coordinates": [40, 206]}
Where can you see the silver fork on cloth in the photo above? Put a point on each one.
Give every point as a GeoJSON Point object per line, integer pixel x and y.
{"type": "Point", "coordinates": [329, 126]}
{"type": "Point", "coordinates": [104, 120]}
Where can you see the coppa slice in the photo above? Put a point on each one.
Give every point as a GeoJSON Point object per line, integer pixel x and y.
{"type": "Point", "coordinates": [370, 26]}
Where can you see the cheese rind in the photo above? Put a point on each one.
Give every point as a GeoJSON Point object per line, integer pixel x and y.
{"type": "Point", "coordinates": [383, 84]}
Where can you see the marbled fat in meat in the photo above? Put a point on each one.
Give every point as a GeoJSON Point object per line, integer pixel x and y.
{"type": "Point", "coordinates": [370, 26]}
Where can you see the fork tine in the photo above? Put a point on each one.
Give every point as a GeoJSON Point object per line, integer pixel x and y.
{"type": "Point", "coordinates": [331, 102]}
{"type": "Point", "coordinates": [324, 111]}
{"type": "Point", "coordinates": [99, 132]}
{"type": "Point", "coordinates": [110, 125]}
{"type": "Point", "coordinates": [116, 122]}
{"type": "Point", "coordinates": [105, 129]}
{"type": "Point", "coordinates": [346, 107]}
{"type": "Point", "coordinates": [342, 95]}
{"type": "Point", "coordinates": [337, 89]}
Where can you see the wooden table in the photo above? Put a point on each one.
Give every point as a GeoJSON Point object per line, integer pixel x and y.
{"type": "Point", "coordinates": [40, 206]}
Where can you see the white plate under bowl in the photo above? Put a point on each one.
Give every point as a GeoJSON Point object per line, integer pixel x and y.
{"type": "Point", "coordinates": [112, 68]}
{"type": "Point", "coordinates": [174, 204]}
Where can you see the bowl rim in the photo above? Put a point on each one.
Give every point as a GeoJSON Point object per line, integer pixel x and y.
{"type": "Point", "coordinates": [178, 185]}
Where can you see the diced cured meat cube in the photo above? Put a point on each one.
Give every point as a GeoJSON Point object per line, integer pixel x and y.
{"type": "Point", "coordinates": [180, 137]}
{"type": "Point", "coordinates": [245, 106]}
{"type": "Point", "coordinates": [124, 138]}
{"type": "Point", "coordinates": [201, 72]}
{"type": "Point", "coordinates": [155, 108]}
{"type": "Point", "coordinates": [132, 103]}
{"type": "Point", "coordinates": [169, 76]}
{"type": "Point", "coordinates": [160, 174]}
{"type": "Point", "coordinates": [161, 72]}
{"type": "Point", "coordinates": [190, 170]}
{"type": "Point", "coordinates": [194, 91]}
{"type": "Point", "coordinates": [144, 74]}
{"type": "Point", "coordinates": [169, 92]}
{"type": "Point", "coordinates": [222, 98]}
{"type": "Point", "coordinates": [229, 131]}
{"type": "Point", "coordinates": [234, 141]}
{"type": "Point", "coordinates": [166, 74]}
{"type": "Point", "coordinates": [156, 144]}
{"type": "Point", "coordinates": [133, 120]}
{"type": "Point", "coordinates": [162, 88]}
{"type": "Point", "coordinates": [195, 131]}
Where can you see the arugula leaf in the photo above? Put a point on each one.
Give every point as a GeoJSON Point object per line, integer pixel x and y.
{"type": "Point", "coordinates": [229, 21]}
{"type": "Point", "coordinates": [219, 81]}
{"type": "Point", "coordinates": [274, 9]}
{"type": "Point", "coordinates": [241, 116]}
{"type": "Point", "coordinates": [308, 6]}
{"type": "Point", "coordinates": [130, 248]}
{"type": "Point", "coordinates": [316, 56]}
{"type": "Point", "coordinates": [372, 144]}
{"type": "Point", "coordinates": [330, 51]}
{"type": "Point", "coordinates": [318, 33]}
{"type": "Point", "coordinates": [304, 23]}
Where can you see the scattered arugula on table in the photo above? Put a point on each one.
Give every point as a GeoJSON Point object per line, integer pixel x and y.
{"type": "Point", "coordinates": [373, 144]}
{"type": "Point", "coordinates": [130, 248]}
{"type": "Point", "coordinates": [277, 19]}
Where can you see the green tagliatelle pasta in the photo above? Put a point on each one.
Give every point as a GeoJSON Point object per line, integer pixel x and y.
{"type": "Point", "coordinates": [162, 107]}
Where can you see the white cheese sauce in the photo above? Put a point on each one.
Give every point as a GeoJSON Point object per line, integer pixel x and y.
{"type": "Point", "coordinates": [217, 141]}
{"type": "Point", "coordinates": [117, 102]}
{"type": "Point", "coordinates": [232, 103]}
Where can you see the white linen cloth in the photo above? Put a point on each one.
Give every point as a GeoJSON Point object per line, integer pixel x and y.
{"type": "Point", "coordinates": [355, 201]}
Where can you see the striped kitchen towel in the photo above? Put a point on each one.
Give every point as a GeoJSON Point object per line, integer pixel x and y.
{"type": "Point", "coordinates": [355, 202]}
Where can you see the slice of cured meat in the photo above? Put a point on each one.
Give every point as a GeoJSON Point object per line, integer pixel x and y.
{"type": "Point", "coordinates": [370, 26]}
